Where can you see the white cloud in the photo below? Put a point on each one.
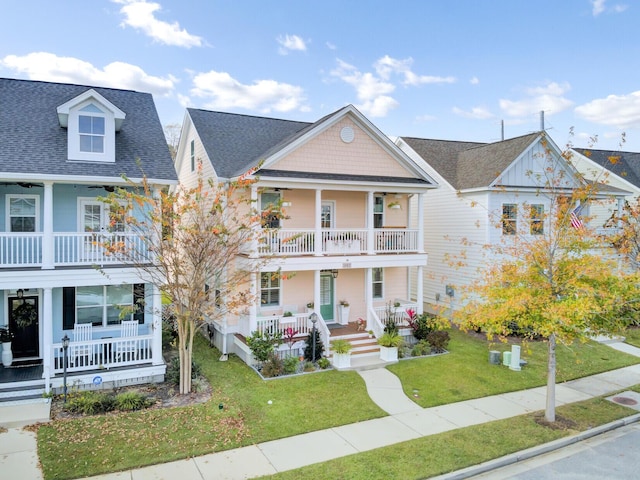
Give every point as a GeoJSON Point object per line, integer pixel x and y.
{"type": "Point", "coordinates": [549, 98]}
{"type": "Point", "coordinates": [370, 90]}
{"type": "Point", "coordinates": [474, 81]}
{"type": "Point", "coordinates": [599, 6]}
{"type": "Point", "coordinates": [139, 14]}
{"type": "Point", "coordinates": [290, 43]}
{"type": "Point", "coordinates": [387, 65]}
{"type": "Point", "coordinates": [49, 67]}
{"type": "Point", "coordinates": [476, 113]}
{"type": "Point", "coordinates": [426, 118]}
{"type": "Point", "coordinates": [331, 46]}
{"type": "Point", "coordinates": [226, 92]}
{"type": "Point", "coordinates": [621, 111]}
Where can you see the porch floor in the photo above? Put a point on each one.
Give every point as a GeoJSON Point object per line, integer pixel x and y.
{"type": "Point", "coordinates": [351, 328]}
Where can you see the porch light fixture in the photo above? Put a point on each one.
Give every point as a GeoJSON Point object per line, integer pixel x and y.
{"type": "Point", "coordinates": [314, 318]}
{"type": "Point", "coordinates": [65, 348]}
{"type": "Point", "coordinates": [334, 273]}
{"type": "Point", "coordinates": [20, 293]}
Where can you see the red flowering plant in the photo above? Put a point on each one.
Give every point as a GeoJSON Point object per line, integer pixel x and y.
{"type": "Point", "coordinates": [289, 336]}
{"type": "Point", "coordinates": [422, 325]}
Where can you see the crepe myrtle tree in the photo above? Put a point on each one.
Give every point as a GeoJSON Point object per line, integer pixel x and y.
{"type": "Point", "coordinates": [190, 236]}
{"type": "Point", "coordinates": [552, 281]}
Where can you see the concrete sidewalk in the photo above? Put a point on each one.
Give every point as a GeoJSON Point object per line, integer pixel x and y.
{"type": "Point", "coordinates": [406, 421]}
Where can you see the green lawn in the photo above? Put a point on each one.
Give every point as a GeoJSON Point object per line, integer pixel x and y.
{"type": "Point", "coordinates": [94, 445]}
{"type": "Point", "coordinates": [446, 452]}
{"type": "Point", "coordinates": [465, 372]}
{"type": "Point", "coordinates": [632, 337]}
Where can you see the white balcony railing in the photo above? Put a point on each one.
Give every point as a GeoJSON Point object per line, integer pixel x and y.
{"type": "Point", "coordinates": [70, 248]}
{"type": "Point", "coordinates": [296, 242]}
{"type": "Point", "coordinates": [103, 353]}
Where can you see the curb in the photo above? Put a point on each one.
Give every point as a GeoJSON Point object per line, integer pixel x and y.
{"type": "Point", "coordinates": [516, 457]}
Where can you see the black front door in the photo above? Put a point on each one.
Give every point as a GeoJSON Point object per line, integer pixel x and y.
{"type": "Point", "coordinates": [23, 323]}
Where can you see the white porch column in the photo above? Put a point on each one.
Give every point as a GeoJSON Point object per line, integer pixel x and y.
{"type": "Point", "coordinates": [47, 226]}
{"type": "Point", "coordinates": [370, 230]}
{"type": "Point", "coordinates": [316, 290]}
{"type": "Point", "coordinates": [253, 308]}
{"type": "Point", "coordinates": [156, 327]}
{"type": "Point", "coordinates": [368, 294]}
{"type": "Point", "coordinates": [420, 290]}
{"type": "Point", "coordinates": [47, 337]}
{"type": "Point", "coordinates": [421, 222]}
{"type": "Point", "coordinates": [253, 252]}
{"type": "Point", "coordinates": [318, 224]}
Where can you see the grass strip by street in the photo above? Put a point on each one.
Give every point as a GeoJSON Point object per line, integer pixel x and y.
{"type": "Point", "coordinates": [465, 372]}
{"type": "Point", "coordinates": [632, 337]}
{"type": "Point", "coordinates": [301, 404]}
{"type": "Point", "coordinates": [450, 451]}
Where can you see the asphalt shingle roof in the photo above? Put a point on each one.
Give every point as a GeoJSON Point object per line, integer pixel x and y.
{"type": "Point", "coordinates": [624, 164]}
{"type": "Point", "coordinates": [33, 142]}
{"type": "Point", "coordinates": [470, 164]}
{"type": "Point", "coordinates": [235, 142]}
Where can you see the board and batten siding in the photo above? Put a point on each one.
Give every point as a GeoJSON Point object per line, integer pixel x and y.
{"type": "Point", "coordinates": [529, 169]}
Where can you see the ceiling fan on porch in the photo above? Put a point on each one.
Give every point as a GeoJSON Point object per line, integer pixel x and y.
{"type": "Point", "coordinates": [22, 184]}
{"type": "Point", "coordinates": [107, 188]}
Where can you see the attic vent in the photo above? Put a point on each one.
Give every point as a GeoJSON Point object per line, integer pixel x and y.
{"type": "Point", "coordinates": [347, 134]}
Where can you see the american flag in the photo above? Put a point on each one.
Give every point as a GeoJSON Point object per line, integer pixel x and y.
{"type": "Point", "coordinates": [576, 222]}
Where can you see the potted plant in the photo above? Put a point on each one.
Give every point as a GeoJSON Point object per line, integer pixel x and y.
{"type": "Point", "coordinates": [394, 205]}
{"type": "Point", "coordinates": [309, 306]}
{"type": "Point", "coordinates": [341, 353]}
{"type": "Point", "coordinates": [5, 338]}
{"type": "Point", "coordinates": [370, 332]}
{"type": "Point", "coordinates": [343, 312]}
{"type": "Point", "coordinates": [389, 343]}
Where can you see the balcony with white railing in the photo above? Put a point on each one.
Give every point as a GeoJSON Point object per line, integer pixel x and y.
{"type": "Point", "coordinates": [70, 249]}
{"type": "Point", "coordinates": [299, 242]}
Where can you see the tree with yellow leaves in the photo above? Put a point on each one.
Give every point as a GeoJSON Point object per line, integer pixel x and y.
{"type": "Point", "coordinates": [552, 279]}
{"type": "Point", "coordinates": [191, 238]}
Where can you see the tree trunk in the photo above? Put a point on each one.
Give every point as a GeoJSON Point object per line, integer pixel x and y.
{"type": "Point", "coordinates": [550, 411]}
{"type": "Point", "coordinates": [185, 343]}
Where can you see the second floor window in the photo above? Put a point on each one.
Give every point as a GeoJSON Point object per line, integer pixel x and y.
{"type": "Point", "coordinates": [509, 219]}
{"type": "Point", "coordinates": [268, 208]}
{"type": "Point", "coordinates": [536, 226]}
{"type": "Point", "coordinates": [23, 210]}
{"type": "Point", "coordinates": [193, 156]}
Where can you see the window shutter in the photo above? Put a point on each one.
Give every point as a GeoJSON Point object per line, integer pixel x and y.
{"type": "Point", "coordinates": [138, 302]}
{"type": "Point", "coordinates": [68, 307]}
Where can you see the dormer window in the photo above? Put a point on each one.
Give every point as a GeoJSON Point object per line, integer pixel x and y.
{"type": "Point", "coordinates": [92, 122]}
{"type": "Point", "coordinates": [91, 127]}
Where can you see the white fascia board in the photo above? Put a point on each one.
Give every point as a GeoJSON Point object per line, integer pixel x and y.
{"type": "Point", "coordinates": [80, 180]}
{"type": "Point", "coordinates": [70, 277]}
{"type": "Point", "coordinates": [634, 190]}
{"type": "Point", "coordinates": [63, 110]}
{"type": "Point", "coordinates": [187, 125]}
{"type": "Point", "coordinates": [313, 184]}
{"type": "Point", "coordinates": [346, 262]}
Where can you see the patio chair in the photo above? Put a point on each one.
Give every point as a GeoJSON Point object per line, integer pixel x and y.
{"type": "Point", "coordinates": [127, 346]}
{"type": "Point", "coordinates": [80, 352]}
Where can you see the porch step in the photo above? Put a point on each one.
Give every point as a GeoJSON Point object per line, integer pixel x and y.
{"type": "Point", "coordinates": [24, 393]}
{"type": "Point", "coordinates": [361, 344]}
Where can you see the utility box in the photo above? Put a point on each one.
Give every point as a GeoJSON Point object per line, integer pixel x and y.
{"type": "Point", "coordinates": [506, 358]}
{"type": "Point", "coordinates": [494, 357]}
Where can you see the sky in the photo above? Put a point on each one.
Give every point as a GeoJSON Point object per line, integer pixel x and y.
{"type": "Point", "coordinates": [441, 69]}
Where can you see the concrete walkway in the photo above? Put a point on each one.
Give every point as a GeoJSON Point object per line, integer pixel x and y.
{"type": "Point", "coordinates": [406, 421]}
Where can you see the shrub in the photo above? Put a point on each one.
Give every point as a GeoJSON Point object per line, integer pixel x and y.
{"type": "Point", "coordinates": [439, 340]}
{"type": "Point", "coordinates": [309, 367]}
{"type": "Point", "coordinates": [391, 327]}
{"type": "Point", "coordinates": [90, 403]}
{"type": "Point", "coordinates": [263, 344]}
{"type": "Point", "coordinates": [422, 325]}
{"type": "Point", "coordinates": [324, 363]}
{"type": "Point", "coordinates": [130, 401]}
{"type": "Point", "coordinates": [341, 346]}
{"type": "Point", "coordinates": [290, 365]}
{"type": "Point", "coordinates": [173, 371]}
{"type": "Point", "coordinates": [308, 349]}
{"type": "Point", "coordinates": [388, 339]}
{"type": "Point", "coordinates": [421, 348]}
{"type": "Point", "coordinates": [273, 366]}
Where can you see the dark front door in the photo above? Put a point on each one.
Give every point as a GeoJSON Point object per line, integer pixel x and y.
{"type": "Point", "coordinates": [23, 323]}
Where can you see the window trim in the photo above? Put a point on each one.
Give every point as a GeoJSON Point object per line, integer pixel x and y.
{"type": "Point", "coordinates": [73, 133]}
{"type": "Point", "coordinates": [271, 276]}
{"type": "Point", "coordinates": [509, 220]}
{"type": "Point", "coordinates": [8, 216]}
{"type": "Point", "coordinates": [536, 217]}
{"type": "Point", "coordinates": [70, 307]}
{"type": "Point", "coordinates": [375, 282]}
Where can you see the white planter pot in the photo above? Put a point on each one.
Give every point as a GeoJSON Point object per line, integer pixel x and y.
{"type": "Point", "coordinates": [389, 354]}
{"type": "Point", "coordinates": [343, 314]}
{"type": "Point", "coordinates": [7, 354]}
{"type": "Point", "coordinates": [341, 360]}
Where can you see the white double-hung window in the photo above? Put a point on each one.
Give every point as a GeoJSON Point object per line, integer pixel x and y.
{"type": "Point", "coordinates": [91, 129]}
{"type": "Point", "coordinates": [22, 213]}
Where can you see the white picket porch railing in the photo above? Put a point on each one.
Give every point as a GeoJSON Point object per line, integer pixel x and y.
{"type": "Point", "coordinates": [103, 353]}
{"type": "Point", "coordinates": [71, 248]}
